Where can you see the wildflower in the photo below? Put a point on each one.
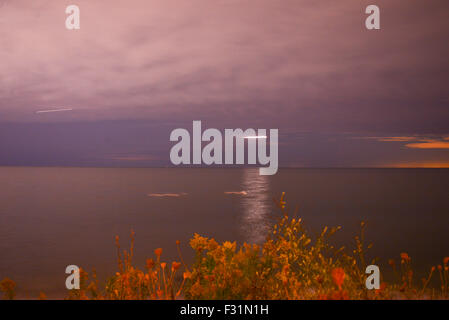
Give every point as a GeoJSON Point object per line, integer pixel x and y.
{"type": "Point", "coordinates": [439, 267]}
{"type": "Point", "coordinates": [340, 295]}
{"type": "Point", "coordinates": [196, 290]}
{"type": "Point", "coordinates": [230, 246]}
{"type": "Point", "coordinates": [338, 276]}
{"type": "Point", "coordinates": [391, 262]}
{"type": "Point", "coordinates": [405, 257]}
{"type": "Point", "coordinates": [383, 285]}
{"type": "Point", "coordinates": [8, 286]}
{"type": "Point", "coordinates": [163, 264]}
{"type": "Point", "coordinates": [446, 260]}
{"type": "Point", "coordinates": [198, 243]}
{"type": "Point", "coordinates": [158, 252]}
{"type": "Point", "coordinates": [187, 275]}
{"type": "Point", "coordinates": [150, 263]}
{"type": "Point", "coordinates": [175, 265]}
{"type": "Point", "coordinates": [282, 202]}
{"type": "Point", "coordinates": [209, 278]}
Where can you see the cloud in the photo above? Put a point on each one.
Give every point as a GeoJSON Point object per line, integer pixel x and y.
{"type": "Point", "coordinates": [429, 144]}
{"type": "Point", "coordinates": [136, 158]}
{"type": "Point", "coordinates": [418, 165]}
{"type": "Point", "coordinates": [397, 139]}
{"type": "Point", "coordinates": [417, 142]}
{"type": "Point", "coordinates": [390, 139]}
{"type": "Point", "coordinates": [298, 63]}
{"type": "Point", "coordinates": [137, 69]}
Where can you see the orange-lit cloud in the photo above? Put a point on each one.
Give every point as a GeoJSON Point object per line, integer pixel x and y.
{"type": "Point", "coordinates": [429, 144]}
{"type": "Point", "coordinates": [416, 142]}
{"type": "Point", "coordinates": [419, 165]}
{"type": "Point", "coordinates": [393, 138]}
{"type": "Point", "coordinates": [398, 139]}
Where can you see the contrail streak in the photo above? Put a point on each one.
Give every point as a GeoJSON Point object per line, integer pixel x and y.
{"type": "Point", "coordinates": [54, 110]}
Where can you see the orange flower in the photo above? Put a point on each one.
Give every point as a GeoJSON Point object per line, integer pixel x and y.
{"type": "Point", "coordinates": [446, 260]}
{"type": "Point", "coordinates": [8, 287]}
{"type": "Point", "coordinates": [158, 252]}
{"type": "Point", "coordinates": [338, 276]}
{"type": "Point", "coordinates": [209, 278]}
{"type": "Point", "coordinates": [150, 263]}
{"type": "Point", "coordinates": [405, 257]}
{"type": "Point", "coordinates": [340, 295]}
{"type": "Point", "coordinates": [163, 264]}
{"type": "Point", "coordinates": [382, 288]}
{"type": "Point", "coordinates": [175, 265]}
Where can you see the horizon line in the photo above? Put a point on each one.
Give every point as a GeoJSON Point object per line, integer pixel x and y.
{"type": "Point", "coordinates": [212, 167]}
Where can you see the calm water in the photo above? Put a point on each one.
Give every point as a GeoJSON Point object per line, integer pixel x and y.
{"type": "Point", "coordinates": [53, 217]}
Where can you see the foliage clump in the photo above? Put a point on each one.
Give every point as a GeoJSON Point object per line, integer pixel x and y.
{"type": "Point", "coordinates": [290, 264]}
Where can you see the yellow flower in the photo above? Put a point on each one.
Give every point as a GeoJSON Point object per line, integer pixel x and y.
{"type": "Point", "coordinates": [199, 243]}
{"type": "Point", "coordinates": [229, 246]}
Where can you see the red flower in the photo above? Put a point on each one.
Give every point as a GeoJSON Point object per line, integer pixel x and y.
{"type": "Point", "coordinates": [339, 295]}
{"type": "Point", "coordinates": [338, 275]}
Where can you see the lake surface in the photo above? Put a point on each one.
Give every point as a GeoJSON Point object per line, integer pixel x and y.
{"type": "Point", "coordinates": [54, 217]}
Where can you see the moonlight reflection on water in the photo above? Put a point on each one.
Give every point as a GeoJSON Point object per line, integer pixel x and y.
{"type": "Point", "coordinates": [256, 206]}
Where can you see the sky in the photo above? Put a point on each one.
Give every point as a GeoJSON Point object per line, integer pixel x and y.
{"type": "Point", "coordinates": [340, 95]}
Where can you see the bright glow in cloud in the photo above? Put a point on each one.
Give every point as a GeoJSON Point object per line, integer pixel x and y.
{"type": "Point", "coordinates": [416, 142]}
{"type": "Point", "coordinates": [418, 165]}
{"type": "Point", "coordinates": [429, 144]}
